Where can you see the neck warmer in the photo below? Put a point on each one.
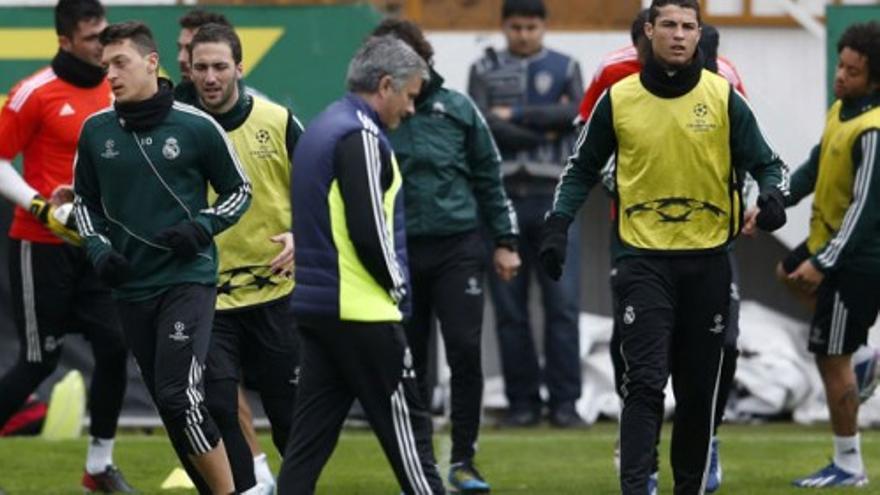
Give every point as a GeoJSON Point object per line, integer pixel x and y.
{"type": "Point", "coordinates": [853, 107]}
{"type": "Point", "coordinates": [75, 71]}
{"type": "Point", "coordinates": [233, 118]}
{"type": "Point", "coordinates": [657, 79]}
{"type": "Point", "coordinates": [146, 114]}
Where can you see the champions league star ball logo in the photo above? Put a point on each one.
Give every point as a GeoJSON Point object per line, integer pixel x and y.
{"type": "Point", "coordinates": [263, 136]}
{"type": "Point", "coordinates": [171, 150]}
{"type": "Point", "coordinates": [701, 110]}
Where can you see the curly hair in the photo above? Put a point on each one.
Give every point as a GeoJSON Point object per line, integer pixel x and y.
{"type": "Point", "coordinates": [865, 39]}
{"type": "Point", "coordinates": [409, 33]}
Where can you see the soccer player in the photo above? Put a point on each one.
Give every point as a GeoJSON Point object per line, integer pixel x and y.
{"type": "Point", "coordinates": [447, 185]}
{"type": "Point", "coordinates": [142, 173]}
{"type": "Point", "coordinates": [529, 95]}
{"type": "Point", "coordinates": [189, 25]}
{"type": "Point", "coordinates": [628, 60]}
{"type": "Point", "coordinates": [352, 284]}
{"type": "Point", "coordinates": [838, 266]}
{"type": "Point", "coordinates": [683, 140]}
{"type": "Point", "coordinates": [54, 288]}
{"type": "Point", "coordinates": [253, 328]}
{"type": "Point", "coordinates": [185, 91]}
{"type": "Point", "coordinates": [615, 67]}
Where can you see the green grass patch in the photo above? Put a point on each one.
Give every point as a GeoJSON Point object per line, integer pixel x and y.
{"type": "Point", "coordinates": [758, 460]}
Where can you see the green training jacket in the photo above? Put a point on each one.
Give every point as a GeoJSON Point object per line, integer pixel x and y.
{"type": "Point", "coordinates": [840, 170]}
{"type": "Point", "coordinates": [131, 185]}
{"type": "Point", "coordinates": [451, 167]}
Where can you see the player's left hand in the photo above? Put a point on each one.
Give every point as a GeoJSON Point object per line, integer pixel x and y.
{"type": "Point", "coordinates": [807, 276]}
{"type": "Point", "coordinates": [506, 262]}
{"type": "Point", "coordinates": [283, 263]}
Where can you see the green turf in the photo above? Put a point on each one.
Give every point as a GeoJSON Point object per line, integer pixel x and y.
{"type": "Point", "coordinates": [758, 460]}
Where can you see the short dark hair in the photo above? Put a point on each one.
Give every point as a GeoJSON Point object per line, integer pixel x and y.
{"type": "Point", "coordinates": [136, 31]}
{"type": "Point", "coordinates": [196, 18]}
{"type": "Point", "coordinates": [685, 4]}
{"type": "Point", "coordinates": [217, 33]}
{"type": "Point", "coordinates": [865, 39]}
{"type": "Point", "coordinates": [525, 8]}
{"type": "Point", "coordinates": [637, 30]}
{"type": "Point", "coordinates": [710, 38]}
{"type": "Point", "coordinates": [69, 13]}
{"type": "Point", "coordinates": [408, 32]}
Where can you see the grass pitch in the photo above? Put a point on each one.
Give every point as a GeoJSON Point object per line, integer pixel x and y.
{"type": "Point", "coordinates": [759, 460]}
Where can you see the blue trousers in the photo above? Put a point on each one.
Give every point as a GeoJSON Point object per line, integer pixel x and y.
{"type": "Point", "coordinates": [521, 366]}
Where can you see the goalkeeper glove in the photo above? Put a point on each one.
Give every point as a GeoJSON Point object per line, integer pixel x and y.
{"type": "Point", "coordinates": [554, 241]}
{"type": "Point", "coordinates": [185, 239]}
{"type": "Point", "coordinates": [58, 219]}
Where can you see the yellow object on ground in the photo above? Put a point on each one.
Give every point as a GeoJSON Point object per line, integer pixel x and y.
{"type": "Point", "coordinates": [177, 479]}
{"type": "Point", "coordinates": [67, 407]}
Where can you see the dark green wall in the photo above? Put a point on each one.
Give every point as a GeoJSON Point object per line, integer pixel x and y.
{"type": "Point", "coordinates": [305, 69]}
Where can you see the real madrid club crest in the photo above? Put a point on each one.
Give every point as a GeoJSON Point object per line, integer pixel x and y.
{"type": "Point", "coordinates": [408, 371]}
{"type": "Point", "coordinates": [629, 315]}
{"type": "Point", "coordinates": [110, 150]}
{"type": "Point", "coordinates": [543, 82]}
{"type": "Point", "coordinates": [171, 149]}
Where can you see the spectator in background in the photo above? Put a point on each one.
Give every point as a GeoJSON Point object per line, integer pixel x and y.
{"type": "Point", "coordinates": [529, 95]}
{"type": "Point", "coordinates": [450, 168]}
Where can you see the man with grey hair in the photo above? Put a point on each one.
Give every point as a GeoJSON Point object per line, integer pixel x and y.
{"type": "Point", "coordinates": [351, 283]}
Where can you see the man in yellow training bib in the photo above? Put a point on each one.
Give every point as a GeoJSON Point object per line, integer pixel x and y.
{"type": "Point", "coordinates": [684, 140]}
{"type": "Point", "coordinates": [838, 267]}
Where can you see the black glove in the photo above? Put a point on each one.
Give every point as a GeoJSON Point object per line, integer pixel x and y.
{"type": "Point", "coordinates": [771, 206]}
{"type": "Point", "coordinates": [554, 240]}
{"type": "Point", "coordinates": [113, 269]}
{"type": "Point", "coordinates": [185, 239]}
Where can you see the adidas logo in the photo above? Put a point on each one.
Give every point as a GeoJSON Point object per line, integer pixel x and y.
{"type": "Point", "coordinates": [66, 110]}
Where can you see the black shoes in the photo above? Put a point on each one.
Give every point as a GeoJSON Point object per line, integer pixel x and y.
{"type": "Point", "coordinates": [521, 417]}
{"type": "Point", "coordinates": [565, 415]}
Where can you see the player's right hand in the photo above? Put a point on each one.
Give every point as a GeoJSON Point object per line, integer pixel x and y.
{"type": "Point", "coordinates": [771, 210]}
{"type": "Point", "coordinates": [55, 218]}
{"type": "Point", "coordinates": [282, 264]}
{"type": "Point", "coordinates": [750, 225]}
{"type": "Point", "coordinates": [113, 269]}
